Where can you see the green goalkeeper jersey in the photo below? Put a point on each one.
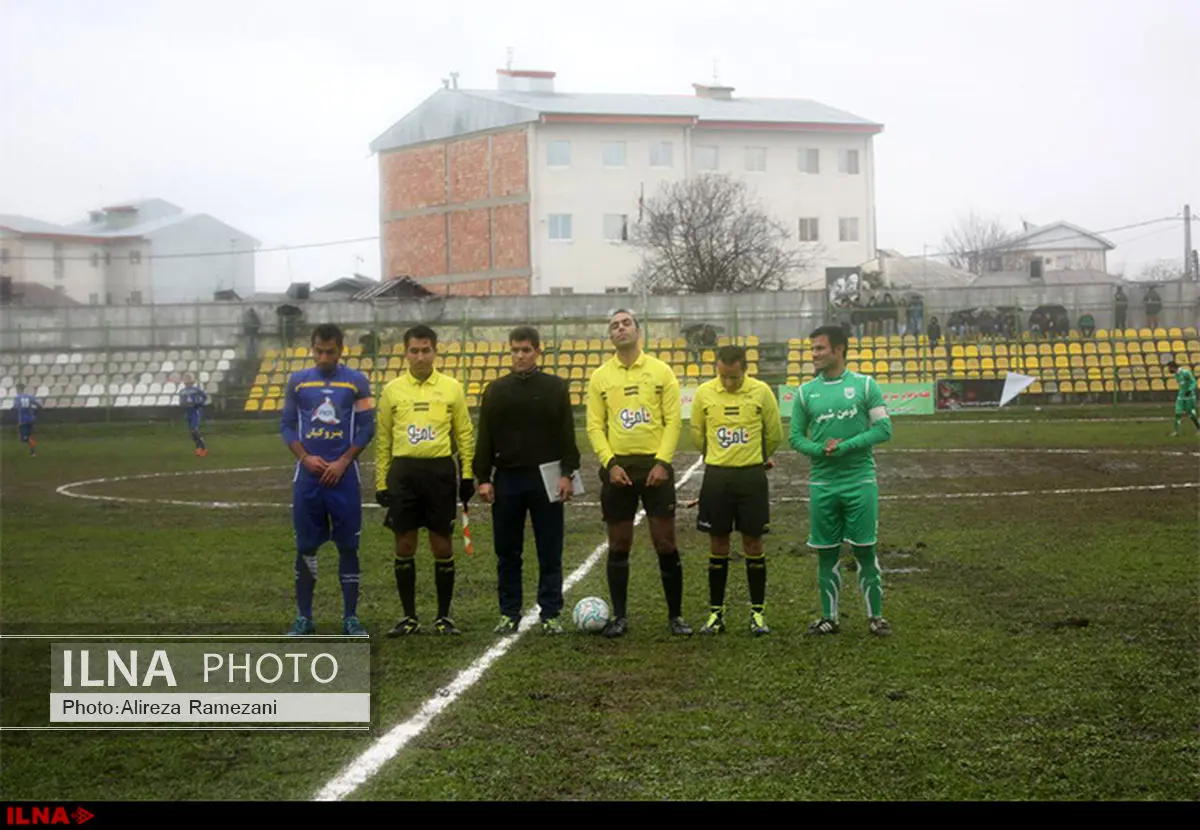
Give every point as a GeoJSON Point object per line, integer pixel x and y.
{"type": "Point", "coordinates": [1187, 383]}
{"type": "Point", "coordinates": [850, 408]}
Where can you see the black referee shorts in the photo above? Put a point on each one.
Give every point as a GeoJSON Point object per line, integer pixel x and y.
{"type": "Point", "coordinates": [422, 492]}
{"type": "Point", "coordinates": [734, 498]}
{"type": "Point", "coordinates": [620, 504]}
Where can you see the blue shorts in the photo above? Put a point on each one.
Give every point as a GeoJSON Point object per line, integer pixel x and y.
{"type": "Point", "coordinates": [25, 431]}
{"type": "Point", "coordinates": [321, 514]}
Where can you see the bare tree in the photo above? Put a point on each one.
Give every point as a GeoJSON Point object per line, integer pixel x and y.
{"type": "Point", "coordinates": [1162, 270]}
{"type": "Point", "coordinates": [973, 241]}
{"type": "Point", "coordinates": [707, 234]}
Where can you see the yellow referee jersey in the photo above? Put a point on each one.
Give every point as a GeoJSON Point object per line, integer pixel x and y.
{"type": "Point", "coordinates": [633, 410]}
{"type": "Point", "coordinates": [736, 429]}
{"type": "Point", "coordinates": [415, 419]}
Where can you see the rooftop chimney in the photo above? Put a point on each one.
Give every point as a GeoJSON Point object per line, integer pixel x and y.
{"type": "Point", "coordinates": [717, 93]}
{"type": "Point", "coordinates": [525, 80]}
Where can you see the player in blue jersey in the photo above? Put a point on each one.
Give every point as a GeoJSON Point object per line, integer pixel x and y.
{"type": "Point", "coordinates": [27, 407]}
{"type": "Point", "coordinates": [328, 419]}
{"type": "Point", "coordinates": [193, 399]}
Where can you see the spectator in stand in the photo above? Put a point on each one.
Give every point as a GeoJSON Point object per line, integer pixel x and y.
{"type": "Point", "coordinates": [1087, 325]}
{"type": "Point", "coordinates": [916, 311]}
{"type": "Point", "coordinates": [935, 331]}
{"type": "Point", "coordinates": [1120, 308]}
{"type": "Point", "coordinates": [1153, 304]}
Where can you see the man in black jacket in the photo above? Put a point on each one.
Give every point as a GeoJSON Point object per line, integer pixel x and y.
{"type": "Point", "coordinates": [525, 422]}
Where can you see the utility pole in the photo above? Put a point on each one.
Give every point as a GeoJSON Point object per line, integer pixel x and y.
{"type": "Point", "coordinates": [1188, 272]}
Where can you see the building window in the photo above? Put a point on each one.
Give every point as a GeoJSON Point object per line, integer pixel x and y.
{"type": "Point", "coordinates": [93, 299]}
{"type": "Point", "coordinates": [616, 227]}
{"type": "Point", "coordinates": [613, 154]}
{"type": "Point", "coordinates": [848, 162]}
{"type": "Point", "coordinates": [848, 230]}
{"type": "Point", "coordinates": [616, 289]}
{"type": "Point", "coordinates": [662, 154]}
{"type": "Point", "coordinates": [58, 261]}
{"type": "Point", "coordinates": [706, 157]}
{"type": "Point", "coordinates": [560, 226]}
{"type": "Point", "coordinates": [108, 258]}
{"type": "Point", "coordinates": [756, 159]}
{"type": "Point", "coordinates": [135, 297]}
{"type": "Point", "coordinates": [135, 257]}
{"type": "Point", "coordinates": [810, 161]}
{"type": "Point", "coordinates": [108, 298]}
{"type": "Point", "coordinates": [95, 260]}
{"type": "Point", "coordinates": [3, 256]}
{"type": "Point", "coordinates": [557, 290]}
{"type": "Point", "coordinates": [558, 154]}
{"type": "Point", "coordinates": [60, 289]}
{"type": "Point", "coordinates": [810, 230]}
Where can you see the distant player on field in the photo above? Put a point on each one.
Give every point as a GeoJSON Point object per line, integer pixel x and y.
{"type": "Point", "coordinates": [735, 422]}
{"type": "Point", "coordinates": [633, 423]}
{"type": "Point", "coordinates": [27, 407]}
{"type": "Point", "coordinates": [327, 421]}
{"type": "Point", "coordinates": [844, 413]}
{"type": "Point", "coordinates": [416, 478]}
{"type": "Point", "coordinates": [1185, 400]}
{"type": "Point", "coordinates": [193, 399]}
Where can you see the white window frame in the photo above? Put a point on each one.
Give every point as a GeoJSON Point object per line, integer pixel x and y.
{"type": "Point", "coordinates": [554, 222]}
{"type": "Point", "coordinates": [561, 290]}
{"type": "Point", "coordinates": [803, 158]}
{"type": "Point", "coordinates": [622, 235]}
{"type": "Point", "coordinates": [716, 157]}
{"type": "Point", "coordinates": [756, 153]}
{"type": "Point", "coordinates": [844, 162]}
{"type": "Point", "coordinates": [662, 150]}
{"type": "Point", "coordinates": [843, 228]}
{"type": "Point", "coordinates": [809, 226]}
{"type": "Point", "coordinates": [558, 144]}
{"type": "Point", "coordinates": [616, 289]}
{"type": "Point", "coordinates": [612, 147]}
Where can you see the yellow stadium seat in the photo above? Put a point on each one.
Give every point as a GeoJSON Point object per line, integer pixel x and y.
{"type": "Point", "coordinates": [957, 351]}
{"type": "Point", "coordinates": [1065, 387]}
{"type": "Point", "coordinates": [958, 366]}
{"type": "Point", "coordinates": [1060, 348]}
{"type": "Point", "coordinates": [986, 364]}
{"type": "Point", "coordinates": [256, 391]}
{"type": "Point", "coordinates": [1143, 334]}
{"type": "Point", "coordinates": [270, 405]}
{"type": "Point", "coordinates": [940, 366]}
{"type": "Point", "coordinates": [576, 373]}
{"type": "Point", "coordinates": [1002, 364]}
{"type": "Point", "coordinates": [1159, 333]}
{"type": "Point", "coordinates": [1036, 388]}
{"type": "Point", "coordinates": [1075, 348]}
{"type": "Point", "coordinates": [793, 380]}
{"type": "Point", "coordinates": [251, 406]}
{"type": "Point", "coordinates": [490, 374]}
{"type": "Point", "coordinates": [475, 374]}
{"type": "Point", "coordinates": [1091, 360]}
{"type": "Point", "coordinates": [1076, 361]}
{"type": "Point", "coordinates": [492, 361]}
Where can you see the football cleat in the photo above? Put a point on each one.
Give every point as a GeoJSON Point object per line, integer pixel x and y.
{"type": "Point", "coordinates": [758, 624]}
{"type": "Point", "coordinates": [879, 627]}
{"type": "Point", "coordinates": [823, 626]}
{"type": "Point", "coordinates": [351, 627]}
{"type": "Point", "coordinates": [615, 627]}
{"type": "Point", "coordinates": [406, 626]}
{"type": "Point", "coordinates": [302, 627]}
{"type": "Point", "coordinates": [679, 627]}
{"type": "Point", "coordinates": [507, 625]}
{"type": "Point", "coordinates": [552, 627]}
{"type": "Point", "coordinates": [715, 623]}
{"type": "Point", "coordinates": [445, 625]}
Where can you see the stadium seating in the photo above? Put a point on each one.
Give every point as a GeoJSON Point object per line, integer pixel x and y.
{"type": "Point", "coordinates": [120, 379]}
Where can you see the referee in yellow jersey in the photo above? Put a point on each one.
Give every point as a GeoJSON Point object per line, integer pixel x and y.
{"type": "Point", "coordinates": [735, 419]}
{"type": "Point", "coordinates": [416, 478]}
{"type": "Point", "coordinates": [633, 423]}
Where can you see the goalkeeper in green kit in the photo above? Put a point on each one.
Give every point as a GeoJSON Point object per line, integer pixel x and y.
{"type": "Point", "coordinates": [836, 419]}
{"type": "Point", "coordinates": [1185, 401]}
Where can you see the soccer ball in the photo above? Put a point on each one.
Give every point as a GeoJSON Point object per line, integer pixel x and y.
{"type": "Point", "coordinates": [590, 614]}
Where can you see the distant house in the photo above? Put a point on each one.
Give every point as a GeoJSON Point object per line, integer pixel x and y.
{"type": "Point", "coordinates": [146, 251]}
{"type": "Point", "coordinates": [891, 269]}
{"type": "Point", "coordinates": [1059, 246]}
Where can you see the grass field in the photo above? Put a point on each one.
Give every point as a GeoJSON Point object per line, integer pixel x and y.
{"type": "Point", "coordinates": [1045, 646]}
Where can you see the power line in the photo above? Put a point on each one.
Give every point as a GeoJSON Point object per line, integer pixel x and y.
{"type": "Point", "coordinates": [1002, 245]}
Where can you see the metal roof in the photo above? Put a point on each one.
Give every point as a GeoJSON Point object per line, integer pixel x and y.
{"type": "Point", "coordinates": [454, 112]}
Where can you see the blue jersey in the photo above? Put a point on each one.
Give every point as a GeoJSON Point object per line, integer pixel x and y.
{"type": "Point", "coordinates": [319, 408]}
{"type": "Point", "coordinates": [192, 397]}
{"type": "Point", "coordinates": [26, 407]}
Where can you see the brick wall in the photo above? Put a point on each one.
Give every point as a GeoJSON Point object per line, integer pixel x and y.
{"type": "Point", "coordinates": [458, 213]}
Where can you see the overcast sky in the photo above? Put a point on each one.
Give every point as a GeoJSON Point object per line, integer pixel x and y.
{"type": "Point", "coordinates": [260, 113]}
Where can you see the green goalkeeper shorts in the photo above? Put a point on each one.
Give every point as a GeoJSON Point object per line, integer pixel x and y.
{"type": "Point", "coordinates": [1185, 405]}
{"type": "Point", "coordinates": [843, 514]}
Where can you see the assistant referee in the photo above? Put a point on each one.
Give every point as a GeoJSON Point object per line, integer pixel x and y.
{"type": "Point", "coordinates": [525, 422]}
{"type": "Point", "coordinates": [735, 418]}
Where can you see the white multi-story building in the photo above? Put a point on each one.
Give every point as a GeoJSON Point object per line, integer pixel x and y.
{"type": "Point", "coordinates": [148, 251]}
{"type": "Point", "coordinates": [526, 190]}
